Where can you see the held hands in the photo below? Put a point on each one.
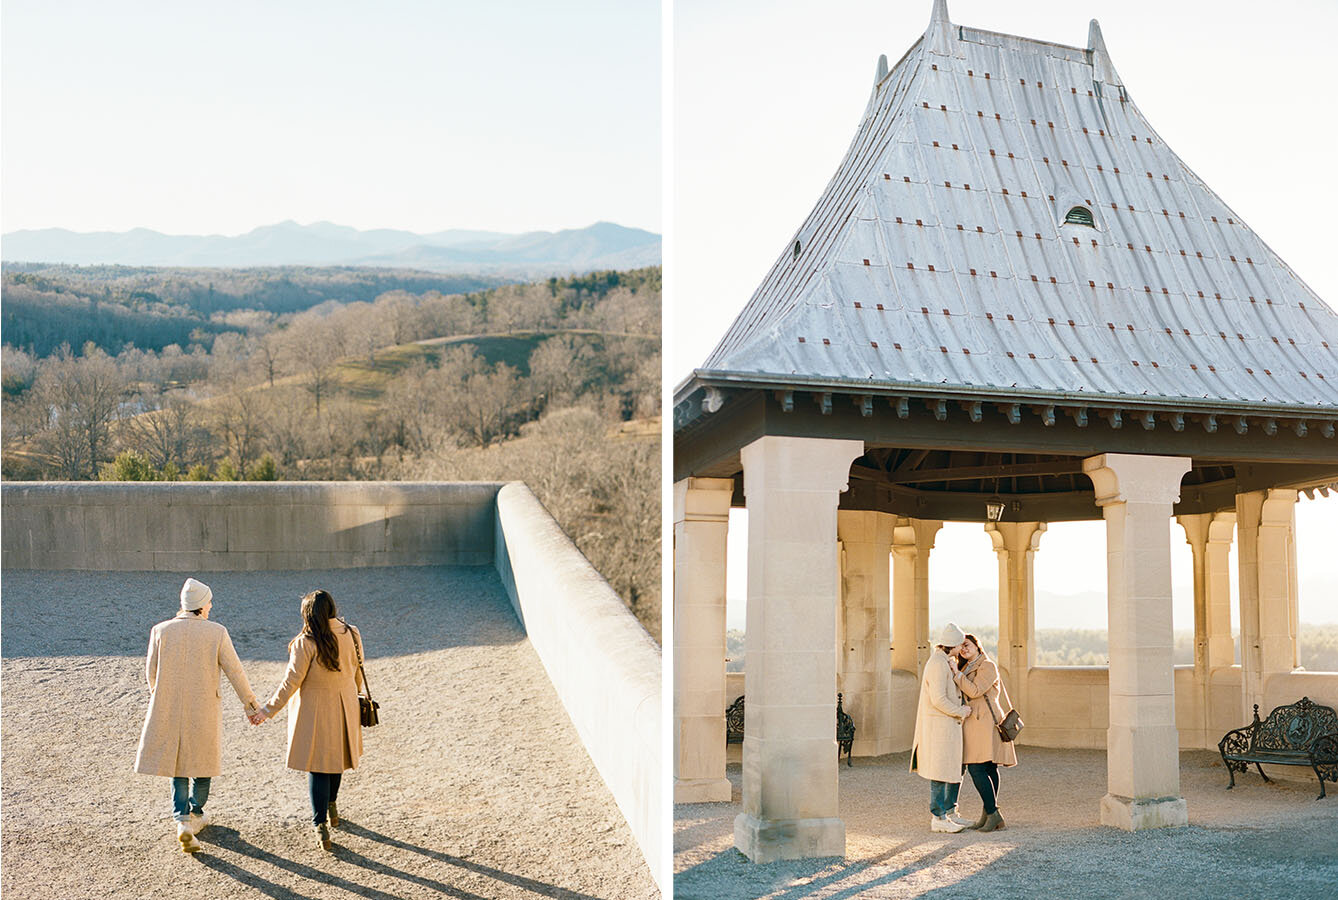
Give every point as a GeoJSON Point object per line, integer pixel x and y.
{"type": "Point", "coordinates": [258, 716]}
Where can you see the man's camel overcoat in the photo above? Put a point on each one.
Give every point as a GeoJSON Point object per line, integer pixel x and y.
{"type": "Point", "coordinates": [324, 731]}
{"type": "Point", "coordinates": [937, 751]}
{"type": "Point", "coordinates": [183, 732]}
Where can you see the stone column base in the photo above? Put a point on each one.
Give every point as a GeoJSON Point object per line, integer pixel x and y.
{"type": "Point", "coordinates": [880, 747]}
{"type": "Point", "coordinates": [765, 841]}
{"type": "Point", "coordinates": [703, 790]}
{"type": "Point", "coordinates": [1139, 815]}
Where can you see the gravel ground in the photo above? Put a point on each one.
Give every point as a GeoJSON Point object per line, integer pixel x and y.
{"type": "Point", "coordinates": [1258, 840]}
{"type": "Point", "coordinates": [475, 785]}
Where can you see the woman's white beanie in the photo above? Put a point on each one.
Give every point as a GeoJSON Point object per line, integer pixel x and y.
{"type": "Point", "coordinates": [194, 595]}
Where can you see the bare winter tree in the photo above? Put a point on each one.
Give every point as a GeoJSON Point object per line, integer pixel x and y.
{"type": "Point", "coordinates": [82, 396]}
{"type": "Point", "coordinates": [241, 418]}
{"type": "Point", "coordinates": [168, 429]}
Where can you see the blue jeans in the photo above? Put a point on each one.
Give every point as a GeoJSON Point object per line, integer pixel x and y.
{"type": "Point", "coordinates": [943, 797]}
{"type": "Point", "coordinates": [324, 791]}
{"type": "Point", "coordinates": [188, 796]}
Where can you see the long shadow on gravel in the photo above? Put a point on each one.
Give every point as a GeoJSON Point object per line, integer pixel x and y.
{"type": "Point", "coordinates": [400, 610]}
{"type": "Point", "coordinates": [229, 839]}
{"type": "Point", "coordinates": [686, 883]}
{"type": "Point", "coordinates": [529, 884]}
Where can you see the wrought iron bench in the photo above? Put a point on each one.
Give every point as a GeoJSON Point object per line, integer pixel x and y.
{"type": "Point", "coordinates": [1302, 734]}
{"type": "Point", "coordinates": [845, 727]}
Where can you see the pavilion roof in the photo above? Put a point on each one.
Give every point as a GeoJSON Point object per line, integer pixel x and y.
{"type": "Point", "coordinates": [939, 254]}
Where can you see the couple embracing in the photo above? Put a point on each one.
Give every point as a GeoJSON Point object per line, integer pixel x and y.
{"type": "Point", "coordinates": [962, 703]}
{"type": "Point", "coordinates": [182, 735]}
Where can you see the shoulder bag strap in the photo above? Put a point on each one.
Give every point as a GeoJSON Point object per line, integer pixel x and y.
{"type": "Point", "coordinates": [357, 648]}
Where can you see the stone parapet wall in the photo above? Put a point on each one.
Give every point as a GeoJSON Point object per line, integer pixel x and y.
{"type": "Point", "coordinates": [604, 665]}
{"type": "Point", "coordinates": [229, 527]}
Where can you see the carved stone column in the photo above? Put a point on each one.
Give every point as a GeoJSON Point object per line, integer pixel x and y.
{"type": "Point", "coordinates": [1266, 521]}
{"type": "Point", "coordinates": [1016, 544]}
{"type": "Point", "coordinates": [701, 526]}
{"type": "Point", "coordinates": [913, 539]}
{"type": "Point", "coordinates": [789, 747]}
{"type": "Point", "coordinates": [864, 663]}
{"type": "Point", "coordinates": [1136, 495]}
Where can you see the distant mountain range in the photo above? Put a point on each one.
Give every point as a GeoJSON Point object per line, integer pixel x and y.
{"type": "Point", "coordinates": [603, 245]}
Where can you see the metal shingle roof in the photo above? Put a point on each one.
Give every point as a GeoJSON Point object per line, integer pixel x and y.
{"type": "Point", "coordinates": [939, 253]}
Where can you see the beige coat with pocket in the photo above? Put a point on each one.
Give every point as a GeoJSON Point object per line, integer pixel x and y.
{"type": "Point", "coordinates": [980, 739]}
{"type": "Point", "coordinates": [937, 751]}
{"type": "Point", "coordinates": [324, 730]}
{"type": "Point", "coordinates": [183, 732]}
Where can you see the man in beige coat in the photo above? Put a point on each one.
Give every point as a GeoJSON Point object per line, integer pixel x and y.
{"type": "Point", "coordinates": [936, 753]}
{"type": "Point", "coordinates": [183, 732]}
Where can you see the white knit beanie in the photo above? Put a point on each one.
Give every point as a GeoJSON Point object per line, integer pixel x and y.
{"type": "Point", "coordinates": [194, 595]}
{"type": "Point", "coordinates": [951, 635]}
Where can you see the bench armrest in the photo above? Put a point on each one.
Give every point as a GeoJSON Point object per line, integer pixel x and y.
{"type": "Point", "coordinates": [1236, 741]}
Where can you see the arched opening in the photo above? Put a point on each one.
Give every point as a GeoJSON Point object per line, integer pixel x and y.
{"type": "Point", "coordinates": [1080, 215]}
{"type": "Point", "coordinates": [1070, 612]}
{"type": "Point", "coordinates": [1317, 584]}
{"type": "Point", "coordinates": [964, 583]}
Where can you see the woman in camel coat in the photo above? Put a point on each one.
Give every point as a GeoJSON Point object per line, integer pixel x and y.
{"type": "Point", "coordinates": [324, 729]}
{"type": "Point", "coordinates": [983, 750]}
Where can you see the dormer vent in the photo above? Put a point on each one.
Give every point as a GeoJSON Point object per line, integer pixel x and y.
{"type": "Point", "coordinates": [1080, 215]}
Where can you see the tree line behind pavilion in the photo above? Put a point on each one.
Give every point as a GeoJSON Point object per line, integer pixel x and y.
{"type": "Point", "coordinates": [555, 383]}
{"type": "Point", "coordinates": [1317, 646]}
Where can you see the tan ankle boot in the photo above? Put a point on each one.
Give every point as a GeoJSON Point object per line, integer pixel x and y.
{"type": "Point", "coordinates": [993, 822]}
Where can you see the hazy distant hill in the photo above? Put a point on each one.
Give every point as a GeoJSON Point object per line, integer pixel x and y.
{"type": "Point", "coordinates": [603, 245]}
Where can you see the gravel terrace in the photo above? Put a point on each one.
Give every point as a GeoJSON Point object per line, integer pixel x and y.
{"type": "Point", "coordinates": [1258, 840]}
{"type": "Point", "coordinates": [475, 785]}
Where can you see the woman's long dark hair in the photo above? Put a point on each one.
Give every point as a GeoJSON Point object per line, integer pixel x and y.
{"type": "Point", "coordinates": [961, 663]}
{"type": "Point", "coordinates": [318, 608]}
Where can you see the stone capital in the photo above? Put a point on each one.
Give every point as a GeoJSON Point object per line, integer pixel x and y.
{"type": "Point", "coordinates": [1278, 508]}
{"type": "Point", "coordinates": [702, 499]}
{"type": "Point", "coordinates": [1012, 537]}
{"type": "Point", "coordinates": [1222, 529]}
{"type": "Point", "coordinates": [1130, 478]}
{"type": "Point", "coordinates": [798, 464]}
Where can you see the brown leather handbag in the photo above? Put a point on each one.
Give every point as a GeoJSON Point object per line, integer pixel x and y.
{"type": "Point", "coordinates": [1011, 725]}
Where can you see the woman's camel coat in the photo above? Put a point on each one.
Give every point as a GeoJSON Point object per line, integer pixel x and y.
{"type": "Point", "coordinates": [937, 751]}
{"type": "Point", "coordinates": [324, 730]}
{"type": "Point", "coordinates": [183, 732]}
{"type": "Point", "coordinates": [980, 739]}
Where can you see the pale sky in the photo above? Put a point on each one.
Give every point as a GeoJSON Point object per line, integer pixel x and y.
{"type": "Point", "coordinates": [767, 96]}
{"type": "Point", "coordinates": [193, 118]}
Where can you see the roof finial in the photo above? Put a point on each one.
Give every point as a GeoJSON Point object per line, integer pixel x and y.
{"type": "Point", "coordinates": [1095, 42]}
{"type": "Point", "coordinates": [1102, 68]}
{"type": "Point", "coordinates": [940, 36]}
{"type": "Point", "coordinates": [882, 69]}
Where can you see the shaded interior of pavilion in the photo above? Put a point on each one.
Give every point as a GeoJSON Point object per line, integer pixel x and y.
{"type": "Point", "coordinates": [840, 538]}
